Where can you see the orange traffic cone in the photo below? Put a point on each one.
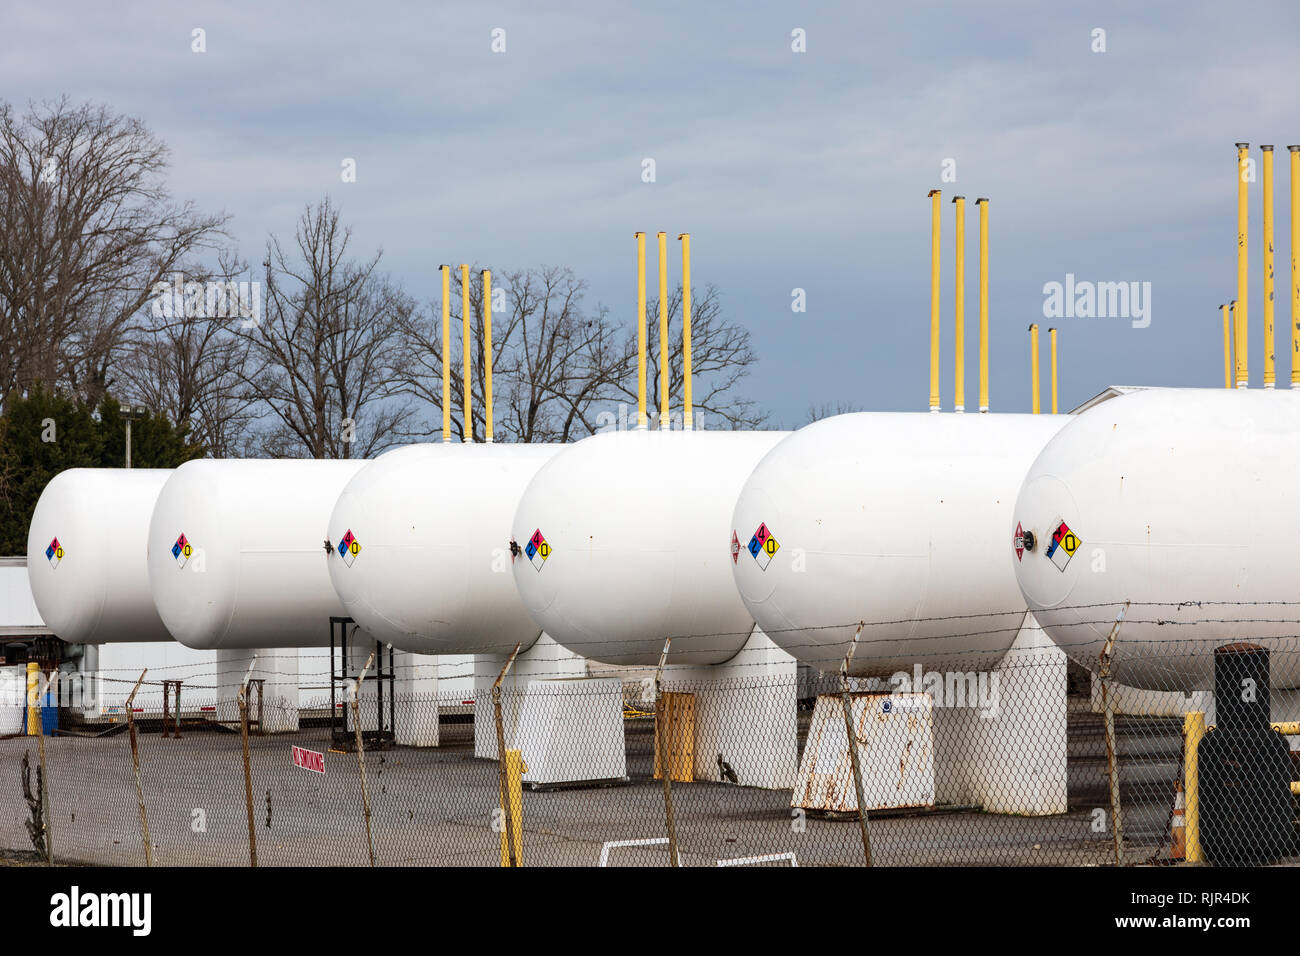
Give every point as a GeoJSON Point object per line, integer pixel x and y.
{"type": "Point", "coordinates": [1178, 830]}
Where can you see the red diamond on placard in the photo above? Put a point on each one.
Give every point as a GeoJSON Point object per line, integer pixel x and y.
{"type": "Point", "coordinates": [1019, 541]}
{"type": "Point", "coordinates": [735, 548]}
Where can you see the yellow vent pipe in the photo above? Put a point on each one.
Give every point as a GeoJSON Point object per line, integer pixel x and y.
{"type": "Point", "coordinates": [1033, 366]}
{"type": "Point", "coordinates": [1243, 258]}
{"type": "Point", "coordinates": [983, 203]}
{"type": "Point", "coordinates": [446, 352]}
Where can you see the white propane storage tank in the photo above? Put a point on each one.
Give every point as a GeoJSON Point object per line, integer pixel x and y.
{"type": "Point", "coordinates": [623, 543]}
{"type": "Point", "coordinates": [1184, 502]}
{"type": "Point", "coordinates": [86, 550]}
{"type": "Point", "coordinates": [424, 531]}
{"type": "Point", "coordinates": [895, 520]}
{"type": "Point", "coordinates": [237, 553]}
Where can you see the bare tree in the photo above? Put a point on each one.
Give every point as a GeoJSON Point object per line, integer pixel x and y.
{"type": "Point", "coordinates": [721, 358]}
{"type": "Point", "coordinates": [559, 367]}
{"type": "Point", "coordinates": [326, 359]}
{"type": "Point", "coordinates": [830, 409]}
{"type": "Point", "coordinates": [553, 360]}
{"type": "Point", "coordinates": [185, 358]}
{"type": "Point", "coordinates": [88, 227]}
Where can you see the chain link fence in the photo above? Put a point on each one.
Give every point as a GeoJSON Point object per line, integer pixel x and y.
{"type": "Point", "coordinates": [1026, 759]}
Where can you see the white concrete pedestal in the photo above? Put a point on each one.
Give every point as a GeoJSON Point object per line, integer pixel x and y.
{"type": "Point", "coordinates": [278, 666]}
{"type": "Point", "coordinates": [746, 710]}
{"type": "Point", "coordinates": [416, 688]}
{"type": "Point", "coordinates": [1005, 749]}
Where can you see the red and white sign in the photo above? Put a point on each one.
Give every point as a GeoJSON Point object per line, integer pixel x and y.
{"type": "Point", "coordinates": [735, 551]}
{"type": "Point", "coordinates": [308, 760]}
{"type": "Point", "coordinates": [1019, 541]}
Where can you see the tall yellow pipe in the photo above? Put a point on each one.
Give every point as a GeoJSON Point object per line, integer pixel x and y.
{"type": "Point", "coordinates": [446, 352]}
{"type": "Point", "coordinates": [1295, 270]}
{"type": "Point", "coordinates": [959, 333]}
{"type": "Point", "coordinates": [640, 331]}
{"type": "Point", "coordinates": [1052, 333]}
{"type": "Point", "coordinates": [1227, 347]}
{"type": "Point", "coordinates": [1033, 365]}
{"type": "Point", "coordinates": [688, 406]}
{"type": "Point", "coordinates": [466, 381]}
{"type": "Point", "coordinates": [1243, 258]}
{"type": "Point", "coordinates": [984, 303]}
{"type": "Point", "coordinates": [1232, 320]}
{"type": "Point", "coordinates": [935, 198]}
{"type": "Point", "coordinates": [487, 355]}
{"type": "Point", "coordinates": [663, 331]}
{"type": "Point", "coordinates": [1269, 340]}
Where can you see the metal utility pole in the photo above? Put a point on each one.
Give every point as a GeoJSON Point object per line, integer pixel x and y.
{"type": "Point", "coordinates": [131, 413]}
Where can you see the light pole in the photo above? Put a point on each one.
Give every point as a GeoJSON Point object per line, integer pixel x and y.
{"type": "Point", "coordinates": [131, 413]}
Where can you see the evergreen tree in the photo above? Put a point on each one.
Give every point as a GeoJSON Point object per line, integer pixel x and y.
{"type": "Point", "coordinates": [43, 433]}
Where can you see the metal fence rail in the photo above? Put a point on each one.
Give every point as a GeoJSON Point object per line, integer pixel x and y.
{"type": "Point", "coordinates": [1030, 764]}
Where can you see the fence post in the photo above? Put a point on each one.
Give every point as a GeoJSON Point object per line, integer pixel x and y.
{"type": "Point", "coordinates": [851, 735]}
{"type": "Point", "coordinates": [361, 753]}
{"type": "Point", "coordinates": [248, 772]}
{"type": "Point", "coordinates": [665, 760]}
{"type": "Point", "coordinates": [45, 778]}
{"type": "Point", "coordinates": [512, 853]}
{"type": "Point", "coordinates": [1112, 756]}
{"type": "Point", "coordinates": [135, 760]}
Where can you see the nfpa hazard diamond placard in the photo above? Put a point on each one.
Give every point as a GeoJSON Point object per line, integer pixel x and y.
{"type": "Point", "coordinates": [349, 548]}
{"type": "Point", "coordinates": [1064, 543]}
{"type": "Point", "coordinates": [538, 549]}
{"type": "Point", "coordinates": [182, 550]}
{"type": "Point", "coordinates": [763, 546]}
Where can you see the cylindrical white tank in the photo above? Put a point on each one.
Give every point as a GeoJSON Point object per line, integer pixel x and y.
{"type": "Point", "coordinates": [623, 543]}
{"type": "Point", "coordinates": [86, 551]}
{"type": "Point", "coordinates": [1184, 502]}
{"type": "Point", "coordinates": [892, 520]}
{"type": "Point", "coordinates": [238, 555]}
{"type": "Point", "coordinates": [425, 531]}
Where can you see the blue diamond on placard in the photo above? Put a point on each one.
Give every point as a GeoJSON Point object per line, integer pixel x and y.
{"type": "Point", "coordinates": [755, 546]}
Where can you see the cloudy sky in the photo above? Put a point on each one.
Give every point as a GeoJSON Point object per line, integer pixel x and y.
{"type": "Point", "coordinates": [790, 170]}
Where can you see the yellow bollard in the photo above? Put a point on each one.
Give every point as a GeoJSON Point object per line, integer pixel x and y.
{"type": "Point", "coordinates": [1193, 731]}
{"type": "Point", "coordinates": [33, 699]}
{"type": "Point", "coordinates": [515, 770]}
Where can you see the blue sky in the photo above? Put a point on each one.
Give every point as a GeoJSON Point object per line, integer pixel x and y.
{"type": "Point", "coordinates": [789, 170]}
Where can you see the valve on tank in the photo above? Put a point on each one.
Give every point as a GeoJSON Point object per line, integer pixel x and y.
{"type": "Point", "coordinates": [1245, 766]}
